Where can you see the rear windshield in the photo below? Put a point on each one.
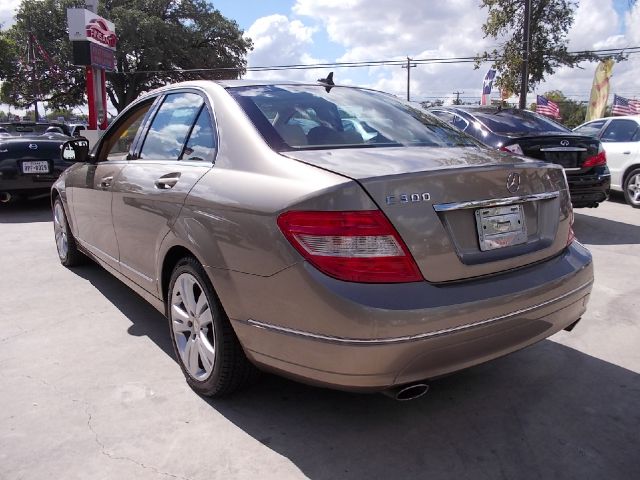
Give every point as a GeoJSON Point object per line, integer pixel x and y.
{"type": "Point", "coordinates": [19, 129]}
{"type": "Point", "coordinates": [509, 121]}
{"type": "Point", "coordinates": [297, 117]}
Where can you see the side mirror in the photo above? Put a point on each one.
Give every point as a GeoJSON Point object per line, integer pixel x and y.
{"type": "Point", "coordinates": [76, 150]}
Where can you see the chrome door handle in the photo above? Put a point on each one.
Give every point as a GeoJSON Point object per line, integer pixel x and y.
{"type": "Point", "coordinates": [626, 153]}
{"type": "Point", "coordinates": [105, 182]}
{"type": "Point", "coordinates": [164, 183]}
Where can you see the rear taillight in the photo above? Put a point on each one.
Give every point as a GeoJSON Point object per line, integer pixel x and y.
{"type": "Point", "coordinates": [358, 246]}
{"type": "Point", "coordinates": [515, 148]}
{"type": "Point", "coordinates": [599, 159]}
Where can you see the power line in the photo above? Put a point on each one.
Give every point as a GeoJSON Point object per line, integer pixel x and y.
{"type": "Point", "coordinates": [370, 63]}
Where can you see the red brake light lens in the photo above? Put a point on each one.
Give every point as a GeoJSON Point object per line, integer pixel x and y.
{"type": "Point", "coordinates": [599, 159]}
{"type": "Point", "coordinates": [357, 246]}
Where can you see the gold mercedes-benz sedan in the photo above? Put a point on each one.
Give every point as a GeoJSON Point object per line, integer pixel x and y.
{"type": "Point", "coordinates": [335, 235]}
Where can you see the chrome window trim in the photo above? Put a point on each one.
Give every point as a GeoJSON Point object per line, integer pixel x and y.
{"type": "Point", "coordinates": [410, 338]}
{"type": "Point", "coordinates": [495, 202]}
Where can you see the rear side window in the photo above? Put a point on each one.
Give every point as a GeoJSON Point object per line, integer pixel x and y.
{"type": "Point", "coordinates": [316, 117]}
{"type": "Point", "coordinates": [171, 126]}
{"type": "Point", "coordinates": [591, 129]}
{"type": "Point", "coordinates": [621, 131]}
{"type": "Point", "coordinates": [202, 141]}
{"type": "Point", "coordinates": [510, 121]}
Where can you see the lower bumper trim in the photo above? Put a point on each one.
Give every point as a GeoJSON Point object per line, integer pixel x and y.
{"type": "Point", "coordinates": [410, 338]}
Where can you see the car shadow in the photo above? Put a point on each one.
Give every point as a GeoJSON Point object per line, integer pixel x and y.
{"type": "Point", "coordinates": [602, 231]}
{"type": "Point", "coordinates": [26, 211]}
{"type": "Point", "coordinates": [548, 411]}
{"type": "Point", "coordinates": [145, 320]}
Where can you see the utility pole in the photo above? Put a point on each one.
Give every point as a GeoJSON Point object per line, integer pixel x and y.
{"type": "Point", "coordinates": [409, 66]}
{"type": "Point", "coordinates": [457, 101]}
{"type": "Point", "coordinates": [526, 47]}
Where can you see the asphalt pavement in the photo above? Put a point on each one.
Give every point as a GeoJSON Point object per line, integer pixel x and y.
{"type": "Point", "coordinates": [89, 388]}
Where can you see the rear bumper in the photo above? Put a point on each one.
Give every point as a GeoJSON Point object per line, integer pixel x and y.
{"type": "Point", "coordinates": [16, 183]}
{"type": "Point", "coordinates": [373, 337]}
{"type": "Point", "coordinates": [589, 190]}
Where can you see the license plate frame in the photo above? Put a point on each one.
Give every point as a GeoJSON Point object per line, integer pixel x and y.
{"type": "Point", "coordinates": [35, 167]}
{"type": "Point", "coordinates": [500, 227]}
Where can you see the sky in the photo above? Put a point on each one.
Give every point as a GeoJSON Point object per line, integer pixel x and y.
{"type": "Point", "coordinates": [308, 31]}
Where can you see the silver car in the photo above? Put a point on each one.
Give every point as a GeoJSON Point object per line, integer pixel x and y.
{"type": "Point", "coordinates": [275, 239]}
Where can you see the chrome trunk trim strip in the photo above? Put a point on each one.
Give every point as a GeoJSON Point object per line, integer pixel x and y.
{"type": "Point", "coordinates": [409, 338]}
{"type": "Point", "coordinates": [494, 202]}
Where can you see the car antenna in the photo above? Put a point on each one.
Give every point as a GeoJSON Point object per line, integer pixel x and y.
{"type": "Point", "coordinates": [327, 81]}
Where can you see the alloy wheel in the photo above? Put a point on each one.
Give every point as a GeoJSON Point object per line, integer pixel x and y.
{"type": "Point", "coordinates": [633, 189]}
{"type": "Point", "coordinates": [192, 327]}
{"type": "Point", "coordinates": [60, 230]}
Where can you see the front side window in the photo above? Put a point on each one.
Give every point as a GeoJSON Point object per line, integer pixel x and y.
{"type": "Point", "coordinates": [310, 117]}
{"type": "Point", "coordinates": [621, 131]}
{"type": "Point", "coordinates": [118, 142]}
{"type": "Point", "coordinates": [170, 126]}
{"type": "Point", "coordinates": [591, 129]}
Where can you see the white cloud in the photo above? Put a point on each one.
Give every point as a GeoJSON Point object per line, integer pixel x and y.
{"type": "Point", "coordinates": [385, 29]}
{"type": "Point", "coordinates": [280, 41]}
{"type": "Point", "coordinates": [7, 11]}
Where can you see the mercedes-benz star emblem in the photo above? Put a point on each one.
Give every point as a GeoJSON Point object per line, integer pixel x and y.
{"type": "Point", "coordinates": [513, 182]}
{"type": "Point", "coordinates": [33, 146]}
{"type": "Point", "coordinates": [564, 143]}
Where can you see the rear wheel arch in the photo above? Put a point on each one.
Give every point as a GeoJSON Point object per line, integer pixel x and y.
{"type": "Point", "coordinates": [627, 171]}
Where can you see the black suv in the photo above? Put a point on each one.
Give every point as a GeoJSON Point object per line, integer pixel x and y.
{"type": "Point", "coordinates": [522, 132]}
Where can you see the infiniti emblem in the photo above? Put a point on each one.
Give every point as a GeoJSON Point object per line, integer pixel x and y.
{"type": "Point", "coordinates": [513, 182]}
{"type": "Point", "coordinates": [33, 146]}
{"type": "Point", "coordinates": [564, 143]}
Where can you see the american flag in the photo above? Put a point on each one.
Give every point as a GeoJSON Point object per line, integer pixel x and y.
{"type": "Point", "coordinates": [625, 106]}
{"type": "Point", "coordinates": [547, 107]}
{"type": "Point", "coordinates": [487, 85]}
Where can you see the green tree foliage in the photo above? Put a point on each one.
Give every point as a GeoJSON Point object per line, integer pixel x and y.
{"type": "Point", "coordinates": [49, 76]}
{"type": "Point", "coordinates": [156, 39]}
{"type": "Point", "coordinates": [549, 24]}
{"type": "Point", "coordinates": [572, 112]}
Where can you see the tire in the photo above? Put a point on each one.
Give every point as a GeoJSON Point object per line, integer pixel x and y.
{"type": "Point", "coordinates": [205, 345]}
{"type": "Point", "coordinates": [66, 245]}
{"type": "Point", "coordinates": [632, 188]}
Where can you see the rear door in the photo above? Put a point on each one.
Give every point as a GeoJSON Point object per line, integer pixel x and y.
{"type": "Point", "coordinates": [621, 141]}
{"type": "Point", "coordinates": [177, 148]}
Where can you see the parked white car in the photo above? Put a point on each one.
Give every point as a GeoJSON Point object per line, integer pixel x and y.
{"type": "Point", "coordinates": [620, 137]}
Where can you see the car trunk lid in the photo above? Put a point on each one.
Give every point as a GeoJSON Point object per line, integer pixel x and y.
{"type": "Point", "coordinates": [565, 149]}
{"type": "Point", "coordinates": [431, 197]}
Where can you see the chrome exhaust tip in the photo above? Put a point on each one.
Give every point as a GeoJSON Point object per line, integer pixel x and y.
{"type": "Point", "coordinates": [5, 197]}
{"type": "Point", "coordinates": [407, 392]}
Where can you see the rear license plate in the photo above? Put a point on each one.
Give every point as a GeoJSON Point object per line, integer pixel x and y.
{"type": "Point", "coordinates": [566, 159]}
{"type": "Point", "coordinates": [500, 227]}
{"type": "Point", "coordinates": [35, 166]}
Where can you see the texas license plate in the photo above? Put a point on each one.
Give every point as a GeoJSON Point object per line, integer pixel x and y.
{"type": "Point", "coordinates": [35, 166]}
{"type": "Point", "coordinates": [500, 227]}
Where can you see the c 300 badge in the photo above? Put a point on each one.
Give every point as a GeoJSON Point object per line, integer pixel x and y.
{"type": "Point", "coordinates": [407, 198]}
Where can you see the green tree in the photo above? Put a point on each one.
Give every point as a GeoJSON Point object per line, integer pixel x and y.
{"type": "Point", "coordinates": [157, 38]}
{"type": "Point", "coordinates": [572, 112]}
{"type": "Point", "coordinates": [45, 73]}
{"type": "Point", "coordinates": [550, 21]}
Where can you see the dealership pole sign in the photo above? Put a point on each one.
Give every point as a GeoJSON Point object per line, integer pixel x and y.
{"type": "Point", "coordinates": [94, 44]}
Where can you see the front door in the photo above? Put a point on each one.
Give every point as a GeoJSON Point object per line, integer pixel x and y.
{"type": "Point", "coordinates": [148, 196]}
{"type": "Point", "coordinates": [91, 188]}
